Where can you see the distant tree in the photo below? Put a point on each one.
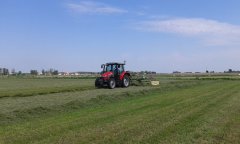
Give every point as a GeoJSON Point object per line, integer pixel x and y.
{"type": "Point", "coordinates": [33, 72]}
{"type": "Point", "coordinates": [19, 73]}
{"type": "Point", "coordinates": [55, 72]}
{"type": "Point", "coordinates": [13, 71]}
{"type": "Point", "coordinates": [1, 71]}
{"type": "Point", "coordinates": [51, 70]}
{"type": "Point", "coordinates": [176, 72]}
{"type": "Point", "coordinates": [43, 72]}
{"type": "Point", "coordinates": [5, 71]}
{"type": "Point", "coordinates": [230, 70]}
{"type": "Point", "coordinates": [207, 71]}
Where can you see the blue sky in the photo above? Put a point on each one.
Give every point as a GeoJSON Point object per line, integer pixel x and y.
{"type": "Point", "coordinates": [158, 35]}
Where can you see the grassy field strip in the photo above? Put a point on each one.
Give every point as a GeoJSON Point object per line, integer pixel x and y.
{"type": "Point", "coordinates": [133, 130]}
{"type": "Point", "coordinates": [139, 87]}
{"type": "Point", "coordinates": [44, 91]}
{"type": "Point", "coordinates": [33, 87]}
{"type": "Point", "coordinates": [20, 107]}
{"type": "Point", "coordinates": [38, 103]}
{"type": "Point", "coordinates": [30, 87]}
{"type": "Point", "coordinates": [153, 118]}
{"type": "Point", "coordinates": [138, 123]}
{"type": "Point", "coordinates": [18, 104]}
{"type": "Point", "coordinates": [225, 123]}
{"type": "Point", "coordinates": [190, 120]}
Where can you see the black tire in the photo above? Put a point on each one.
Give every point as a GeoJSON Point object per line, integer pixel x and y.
{"type": "Point", "coordinates": [126, 81]}
{"type": "Point", "coordinates": [97, 84]}
{"type": "Point", "coordinates": [112, 83]}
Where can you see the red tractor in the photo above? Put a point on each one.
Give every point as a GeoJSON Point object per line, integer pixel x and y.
{"type": "Point", "coordinates": [113, 75]}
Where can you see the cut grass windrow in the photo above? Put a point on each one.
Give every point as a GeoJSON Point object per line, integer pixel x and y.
{"type": "Point", "coordinates": [79, 100]}
{"type": "Point", "coordinates": [45, 91]}
{"type": "Point", "coordinates": [30, 87]}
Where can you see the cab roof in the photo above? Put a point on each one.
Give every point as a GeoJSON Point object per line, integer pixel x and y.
{"type": "Point", "coordinates": [115, 63]}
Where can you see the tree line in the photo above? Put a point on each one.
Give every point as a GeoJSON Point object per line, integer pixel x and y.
{"type": "Point", "coordinates": [5, 71]}
{"type": "Point", "coordinates": [45, 72]}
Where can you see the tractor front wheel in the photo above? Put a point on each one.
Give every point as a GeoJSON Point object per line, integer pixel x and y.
{"type": "Point", "coordinates": [112, 83]}
{"type": "Point", "coordinates": [97, 83]}
{"type": "Point", "coordinates": [126, 81]}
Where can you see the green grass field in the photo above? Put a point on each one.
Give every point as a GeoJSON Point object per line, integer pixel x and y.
{"type": "Point", "coordinates": [18, 87]}
{"type": "Point", "coordinates": [72, 111]}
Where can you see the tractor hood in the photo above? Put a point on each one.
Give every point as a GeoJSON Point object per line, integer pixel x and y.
{"type": "Point", "coordinates": [107, 74]}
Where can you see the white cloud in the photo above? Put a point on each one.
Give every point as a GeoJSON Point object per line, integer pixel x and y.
{"type": "Point", "coordinates": [88, 7]}
{"type": "Point", "coordinates": [211, 31]}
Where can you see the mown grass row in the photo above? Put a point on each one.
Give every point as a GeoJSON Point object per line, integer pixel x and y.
{"type": "Point", "coordinates": [20, 87]}
{"type": "Point", "coordinates": [17, 87]}
{"type": "Point", "coordinates": [45, 91]}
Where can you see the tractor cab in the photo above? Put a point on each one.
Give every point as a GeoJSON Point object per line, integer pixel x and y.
{"type": "Point", "coordinates": [113, 68]}
{"type": "Point", "coordinates": [112, 75]}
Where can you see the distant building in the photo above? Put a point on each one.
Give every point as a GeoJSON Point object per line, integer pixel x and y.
{"type": "Point", "coordinates": [63, 73]}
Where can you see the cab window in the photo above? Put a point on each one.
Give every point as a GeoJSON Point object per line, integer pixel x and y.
{"type": "Point", "coordinates": [109, 68]}
{"type": "Point", "coordinates": [121, 68]}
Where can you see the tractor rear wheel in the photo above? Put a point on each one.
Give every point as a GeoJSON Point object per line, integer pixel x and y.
{"type": "Point", "coordinates": [126, 81]}
{"type": "Point", "coordinates": [112, 83]}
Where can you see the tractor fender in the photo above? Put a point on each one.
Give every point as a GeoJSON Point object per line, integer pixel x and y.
{"type": "Point", "coordinates": [123, 74]}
